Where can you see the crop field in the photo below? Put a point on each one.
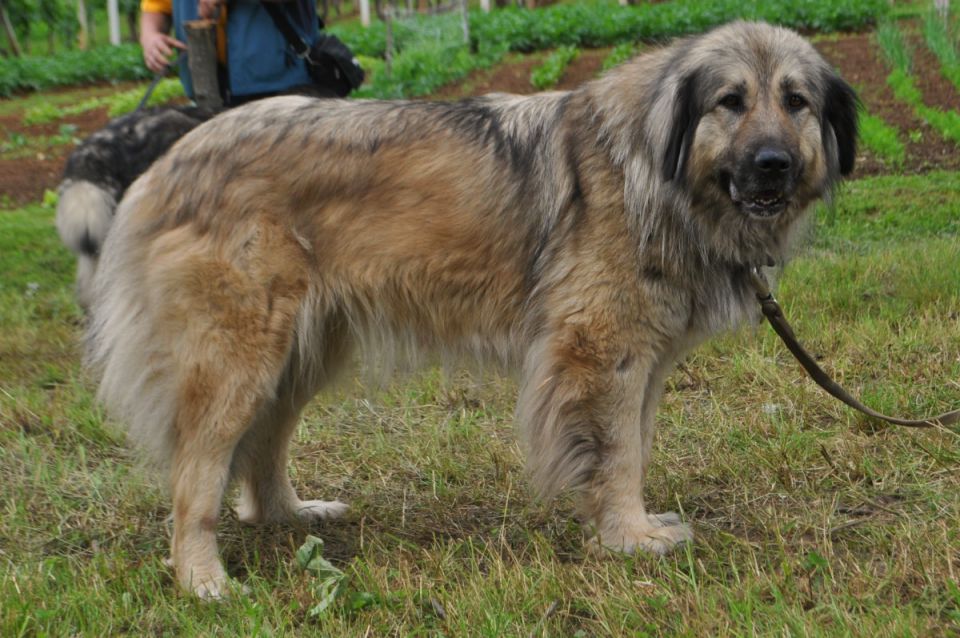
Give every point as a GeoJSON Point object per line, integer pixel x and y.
{"type": "Point", "coordinates": [809, 519]}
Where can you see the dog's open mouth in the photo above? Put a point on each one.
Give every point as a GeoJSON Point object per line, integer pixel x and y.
{"type": "Point", "coordinates": [762, 203]}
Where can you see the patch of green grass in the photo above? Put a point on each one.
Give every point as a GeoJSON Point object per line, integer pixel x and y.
{"type": "Point", "coordinates": [549, 73]}
{"type": "Point", "coordinates": [892, 208]}
{"type": "Point", "coordinates": [882, 139]}
{"type": "Point", "coordinates": [810, 521]}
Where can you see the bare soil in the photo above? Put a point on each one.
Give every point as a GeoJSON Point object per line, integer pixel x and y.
{"type": "Point", "coordinates": [24, 179]}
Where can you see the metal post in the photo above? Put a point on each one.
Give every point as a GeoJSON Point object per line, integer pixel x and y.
{"type": "Point", "coordinates": [365, 12]}
{"type": "Point", "coordinates": [388, 53]}
{"type": "Point", "coordinates": [113, 15]}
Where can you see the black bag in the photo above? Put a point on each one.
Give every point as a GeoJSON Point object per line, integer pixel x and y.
{"type": "Point", "coordinates": [330, 62]}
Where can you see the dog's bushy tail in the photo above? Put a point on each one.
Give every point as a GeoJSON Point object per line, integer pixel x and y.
{"type": "Point", "coordinates": [137, 379]}
{"type": "Point", "coordinates": [84, 214]}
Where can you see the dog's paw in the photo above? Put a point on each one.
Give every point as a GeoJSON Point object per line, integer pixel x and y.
{"type": "Point", "coordinates": [304, 511]}
{"type": "Point", "coordinates": [214, 591]}
{"type": "Point", "coordinates": [659, 535]}
{"type": "Point", "coordinates": [211, 590]}
{"type": "Point", "coordinates": [210, 584]}
{"type": "Point", "coordinates": [665, 519]}
{"type": "Point", "coordinates": [310, 511]}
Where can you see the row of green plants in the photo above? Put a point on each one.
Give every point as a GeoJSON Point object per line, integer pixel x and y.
{"type": "Point", "coordinates": [882, 140]}
{"type": "Point", "coordinates": [117, 104]}
{"type": "Point", "coordinates": [936, 32]}
{"type": "Point", "coordinates": [900, 57]}
{"type": "Point", "coordinates": [34, 73]}
{"type": "Point", "coordinates": [620, 54]}
{"type": "Point", "coordinates": [429, 50]}
{"type": "Point", "coordinates": [549, 72]}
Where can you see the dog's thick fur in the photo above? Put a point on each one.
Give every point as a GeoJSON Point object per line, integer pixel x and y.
{"type": "Point", "coordinates": [99, 171]}
{"type": "Point", "coordinates": [591, 237]}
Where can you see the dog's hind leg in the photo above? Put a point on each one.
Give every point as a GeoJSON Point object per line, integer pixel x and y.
{"type": "Point", "coordinates": [260, 464]}
{"type": "Point", "coordinates": [208, 429]}
{"type": "Point", "coordinates": [261, 459]}
{"type": "Point", "coordinates": [224, 336]}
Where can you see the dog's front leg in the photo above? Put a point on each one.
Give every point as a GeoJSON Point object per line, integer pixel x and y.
{"type": "Point", "coordinates": [587, 410]}
{"type": "Point", "coordinates": [613, 498]}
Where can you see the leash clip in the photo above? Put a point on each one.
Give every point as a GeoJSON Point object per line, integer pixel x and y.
{"type": "Point", "coordinates": [760, 284]}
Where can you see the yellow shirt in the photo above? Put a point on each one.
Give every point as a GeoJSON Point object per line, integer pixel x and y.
{"type": "Point", "coordinates": [166, 7]}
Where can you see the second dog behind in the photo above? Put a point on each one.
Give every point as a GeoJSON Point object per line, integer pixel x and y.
{"type": "Point", "coordinates": [99, 171]}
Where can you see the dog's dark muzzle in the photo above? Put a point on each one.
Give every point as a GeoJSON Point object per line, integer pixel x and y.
{"type": "Point", "coordinates": [765, 180]}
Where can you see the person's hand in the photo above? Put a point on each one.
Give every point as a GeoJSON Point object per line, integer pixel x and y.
{"type": "Point", "coordinates": [157, 48]}
{"type": "Point", "coordinates": [208, 8]}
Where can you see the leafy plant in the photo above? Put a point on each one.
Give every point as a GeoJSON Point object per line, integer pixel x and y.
{"type": "Point", "coordinates": [331, 582]}
{"type": "Point", "coordinates": [549, 73]}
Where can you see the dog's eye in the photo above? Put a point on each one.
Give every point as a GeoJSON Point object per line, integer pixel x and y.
{"type": "Point", "coordinates": [796, 101]}
{"type": "Point", "coordinates": [732, 101]}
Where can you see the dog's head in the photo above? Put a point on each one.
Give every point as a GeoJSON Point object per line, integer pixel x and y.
{"type": "Point", "coordinates": [760, 125]}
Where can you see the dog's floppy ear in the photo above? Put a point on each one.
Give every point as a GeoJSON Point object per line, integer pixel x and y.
{"type": "Point", "coordinates": [685, 117]}
{"type": "Point", "coordinates": [840, 109]}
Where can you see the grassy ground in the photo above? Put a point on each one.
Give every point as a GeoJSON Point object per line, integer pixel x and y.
{"type": "Point", "coordinates": [809, 520]}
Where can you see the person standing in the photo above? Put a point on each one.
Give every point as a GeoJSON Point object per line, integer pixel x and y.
{"type": "Point", "coordinates": [254, 58]}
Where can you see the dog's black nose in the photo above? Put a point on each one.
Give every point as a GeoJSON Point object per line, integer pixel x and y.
{"type": "Point", "coordinates": [772, 160]}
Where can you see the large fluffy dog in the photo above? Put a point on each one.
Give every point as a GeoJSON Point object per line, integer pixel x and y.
{"type": "Point", "coordinates": [591, 237]}
{"type": "Point", "coordinates": [100, 170]}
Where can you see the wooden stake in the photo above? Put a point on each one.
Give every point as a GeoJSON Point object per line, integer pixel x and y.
{"type": "Point", "coordinates": [202, 61]}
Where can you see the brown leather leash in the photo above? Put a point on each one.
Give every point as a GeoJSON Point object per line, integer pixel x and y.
{"type": "Point", "coordinates": [774, 314]}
